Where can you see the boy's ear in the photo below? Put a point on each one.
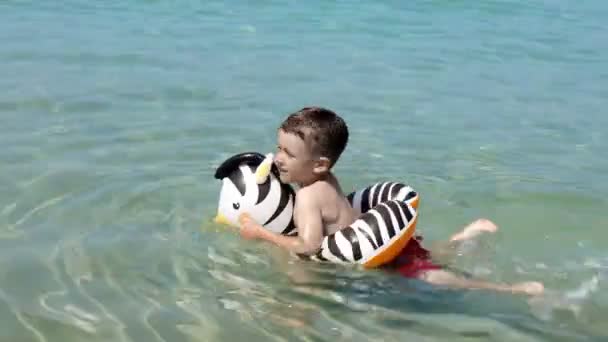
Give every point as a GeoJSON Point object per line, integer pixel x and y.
{"type": "Point", "coordinates": [322, 165]}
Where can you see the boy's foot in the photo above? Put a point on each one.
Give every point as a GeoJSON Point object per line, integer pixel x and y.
{"type": "Point", "coordinates": [475, 228]}
{"type": "Point", "coordinates": [532, 288]}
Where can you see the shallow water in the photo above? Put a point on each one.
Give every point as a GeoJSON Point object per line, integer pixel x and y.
{"type": "Point", "coordinates": [115, 116]}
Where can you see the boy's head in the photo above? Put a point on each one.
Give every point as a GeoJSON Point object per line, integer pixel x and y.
{"type": "Point", "coordinates": [310, 142]}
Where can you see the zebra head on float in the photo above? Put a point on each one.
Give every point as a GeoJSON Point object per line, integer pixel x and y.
{"type": "Point", "coordinates": [250, 184]}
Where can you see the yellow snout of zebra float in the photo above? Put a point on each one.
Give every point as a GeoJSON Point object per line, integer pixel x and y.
{"type": "Point", "coordinates": [387, 221]}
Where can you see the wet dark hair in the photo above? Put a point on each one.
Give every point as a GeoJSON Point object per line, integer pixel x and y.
{"type": "Point", "coordinates": [325, 130]}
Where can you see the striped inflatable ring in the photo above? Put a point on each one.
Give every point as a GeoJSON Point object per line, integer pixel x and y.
{"type": "Point", "coordinates": [388, 211]}
{"type": "Point", "coordinates": [387, 222]}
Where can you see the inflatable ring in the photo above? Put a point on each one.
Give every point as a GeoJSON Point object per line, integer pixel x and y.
{"type": "Point", "coordinates": [250, 184]}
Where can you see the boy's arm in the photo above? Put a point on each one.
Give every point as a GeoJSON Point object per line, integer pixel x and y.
{"type": "Point", "coordinates": [309, 224]}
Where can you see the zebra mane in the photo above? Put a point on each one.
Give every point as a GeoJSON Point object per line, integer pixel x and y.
{"type": "Point", "coordinates": [252, 159]}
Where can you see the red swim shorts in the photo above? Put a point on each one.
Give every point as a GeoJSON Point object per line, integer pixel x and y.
{"type": "Point", "coordinates": [413, 260]}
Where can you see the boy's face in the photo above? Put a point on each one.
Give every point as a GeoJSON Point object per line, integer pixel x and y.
{"type": "Point", "coordinates": [295, 160]}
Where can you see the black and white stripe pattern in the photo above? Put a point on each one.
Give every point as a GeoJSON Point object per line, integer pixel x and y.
{"type": "Point", "coordinates": [391, 213]}
{"type": "Point", "coordinates": [371, 196]}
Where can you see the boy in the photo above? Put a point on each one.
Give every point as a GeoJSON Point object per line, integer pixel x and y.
{"type": "Point", "coordinates": [310, 142]}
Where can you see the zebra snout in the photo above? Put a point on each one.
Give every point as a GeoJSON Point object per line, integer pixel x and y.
{"type": "Point", "coordinates": [221, 219]}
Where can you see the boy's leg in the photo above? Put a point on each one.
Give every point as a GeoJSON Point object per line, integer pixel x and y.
{"type": "Point", "coordinates": [446, 250]}
{"type": "Point", "coordinates": [446, 278]}
{"type": "Point", "coordinates": [473, 229]}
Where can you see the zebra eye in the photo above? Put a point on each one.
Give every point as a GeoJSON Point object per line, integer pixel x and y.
{"type": "Point", "coordinates": [236, 205]}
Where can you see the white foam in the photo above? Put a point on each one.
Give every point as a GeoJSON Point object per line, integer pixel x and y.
{"type": "Point", "coordinates": [571, 301]}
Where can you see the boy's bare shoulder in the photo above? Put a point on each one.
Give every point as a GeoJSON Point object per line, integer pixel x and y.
{"type": "Point", "coordinates": [318, 187]}
{"type": "Point", "coordinates": [316, 192]}
{"type": "Point", "coordinates": [307, 198]}
{"type": "Point", "coordinates": [308, 191]}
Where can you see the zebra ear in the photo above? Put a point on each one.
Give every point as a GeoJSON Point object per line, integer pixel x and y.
{"type": "Point", "coordinates": [263, 170]}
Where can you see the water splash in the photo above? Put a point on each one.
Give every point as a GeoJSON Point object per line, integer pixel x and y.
{"type": "Point", "coordinates": [571, 301]}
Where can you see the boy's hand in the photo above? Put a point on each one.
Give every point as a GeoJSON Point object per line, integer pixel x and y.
{"type": "Point", "coordinates": [249, 228]}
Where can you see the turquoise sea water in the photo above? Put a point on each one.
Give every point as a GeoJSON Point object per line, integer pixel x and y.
{"type": "Point", "coordinates": [115, 115]}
